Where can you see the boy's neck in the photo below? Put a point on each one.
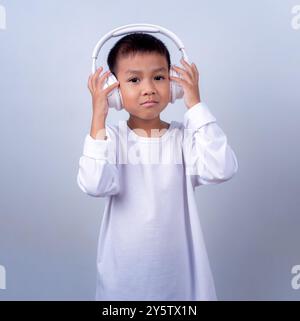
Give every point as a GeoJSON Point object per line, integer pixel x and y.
{"type": "Point", "coordinates": [147, 125]}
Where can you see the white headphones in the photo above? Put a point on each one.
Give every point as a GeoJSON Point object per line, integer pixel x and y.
{"type": "Point", "coordinates": [114, 97]}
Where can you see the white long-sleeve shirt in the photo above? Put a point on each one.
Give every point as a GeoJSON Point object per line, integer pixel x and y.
{"type": "Point", "coordinates": [151, 245]}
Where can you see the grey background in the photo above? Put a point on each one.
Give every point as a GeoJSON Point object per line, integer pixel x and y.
{"type": "Point", "coordinates": [247, 54]}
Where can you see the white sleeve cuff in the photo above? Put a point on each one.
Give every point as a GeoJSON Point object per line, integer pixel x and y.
{"type": "Point", "coordinates": [198, 116]}
{"type": "Point", "coordinates": [96, 148]}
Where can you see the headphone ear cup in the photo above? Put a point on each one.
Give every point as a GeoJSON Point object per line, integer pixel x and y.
{"type": "Point", "coordinates": [114, 97]}
{"type": "Point", "coordinates": [176, 90]}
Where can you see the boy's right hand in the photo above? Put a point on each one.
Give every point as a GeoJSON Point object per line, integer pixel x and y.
{"type": "Point", "coordinates": [99, 95]}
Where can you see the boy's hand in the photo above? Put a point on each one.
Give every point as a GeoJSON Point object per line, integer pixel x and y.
{"type": "Point", "coordinates": [99, 95]}
{"type": "Point", "coordinates": [189, 83]}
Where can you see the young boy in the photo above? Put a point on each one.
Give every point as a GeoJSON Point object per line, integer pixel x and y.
{"type": "Point", "coordinates": [151, 245]}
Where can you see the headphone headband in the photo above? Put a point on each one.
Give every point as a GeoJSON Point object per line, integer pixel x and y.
{"type": "Point", "coordinates": [133, 28]}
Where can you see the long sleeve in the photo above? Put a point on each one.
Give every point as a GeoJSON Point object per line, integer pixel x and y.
{"type": "Point", "coordinates": [98, 174]}
{"type": "Point", "coordinates": [208, 157]}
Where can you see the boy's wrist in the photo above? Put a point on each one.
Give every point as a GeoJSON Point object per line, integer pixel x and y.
{"type": "Point", "coordinates": [99, 117]}
{"type": "Point", "coordinates": [197, 102]}
{"type": "Point", "coordinates": [198, 116]}
{"type": "Point", "coordinates": [98, 127]}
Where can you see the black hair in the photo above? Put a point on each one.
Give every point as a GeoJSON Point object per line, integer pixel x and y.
{"type": "Point", "coordinates": [134, 43]}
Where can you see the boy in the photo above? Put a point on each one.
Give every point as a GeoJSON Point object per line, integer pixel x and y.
{"type": "Point", "coordinates": [151, 245]}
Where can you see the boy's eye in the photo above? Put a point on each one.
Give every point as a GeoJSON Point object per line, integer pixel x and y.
{"type": "Point", "coordinates": [135, 78]}
{"type": "Point", "coordinates": [160, 77]}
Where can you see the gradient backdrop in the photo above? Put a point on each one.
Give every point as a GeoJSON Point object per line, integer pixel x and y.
{"type": "Point", "coordinates": [247, 54]}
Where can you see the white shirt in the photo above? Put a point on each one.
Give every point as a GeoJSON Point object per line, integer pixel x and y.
{"type": "Point", "coordinates": [151, 245]}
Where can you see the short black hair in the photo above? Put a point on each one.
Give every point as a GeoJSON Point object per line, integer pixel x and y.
{"type": "Point", "coordinates": [134, 43]}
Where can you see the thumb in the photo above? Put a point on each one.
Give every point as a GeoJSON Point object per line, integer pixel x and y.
{"type": "Point", "coordinates": [115, 84]}
{"type": "Point", "coordinates": [111, 87]}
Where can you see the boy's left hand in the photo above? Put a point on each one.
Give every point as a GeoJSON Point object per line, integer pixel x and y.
{"type": "Point", "coordinates": [189, 83]}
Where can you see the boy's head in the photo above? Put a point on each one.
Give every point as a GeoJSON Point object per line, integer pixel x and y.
{"type": "Point", "coordinates": [133, 61]}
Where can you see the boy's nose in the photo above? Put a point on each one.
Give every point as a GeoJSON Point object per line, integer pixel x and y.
{"type": "Point", "coordinates": [149, 92]}
{"type": "Point", "coordinates": [149, 88]}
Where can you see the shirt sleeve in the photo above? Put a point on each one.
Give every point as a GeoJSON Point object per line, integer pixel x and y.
{"type": "Point", "coordinates": [208, 157]}
{"type": "Point", "coordinates": [98, 173]}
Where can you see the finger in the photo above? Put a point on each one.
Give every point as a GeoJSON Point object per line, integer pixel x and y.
{"type": "Point", "coordinates": [186, 65]}
{"type": "Point", "coordinates": [190, 68]}
{"type": "Point", "coordinates": [100, 81]}
{"type": "Point", "coordinates": [111, 87]}
{"type": "Point", "coordinates": [196, 71]}
{"type": "Point", "coordinates": [179, 80]}
{"type": "Point", "coordinates": [183, 72]}
{"type": "Point", "coordinates": [90, 87]}
{"type": "Point", "coordinates": [95, 77]}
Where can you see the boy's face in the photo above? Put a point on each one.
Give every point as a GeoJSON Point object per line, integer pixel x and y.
{"type": "Point", "coordinates": [144, 84]}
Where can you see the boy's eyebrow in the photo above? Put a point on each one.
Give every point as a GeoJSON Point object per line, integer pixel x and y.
{"type": "Point", "coordinates": [129, 71]}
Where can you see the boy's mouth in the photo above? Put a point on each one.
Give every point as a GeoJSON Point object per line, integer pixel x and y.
{"type": "Point", "coordinates": [149, 103]}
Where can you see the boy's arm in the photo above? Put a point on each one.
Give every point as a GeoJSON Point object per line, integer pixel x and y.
{"type": "Point", "coordinates": [98, 173]}
{"type": "Point", "coordinates": [98, 127]}
{"type": "Point", "coordinates": [208, 157]}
